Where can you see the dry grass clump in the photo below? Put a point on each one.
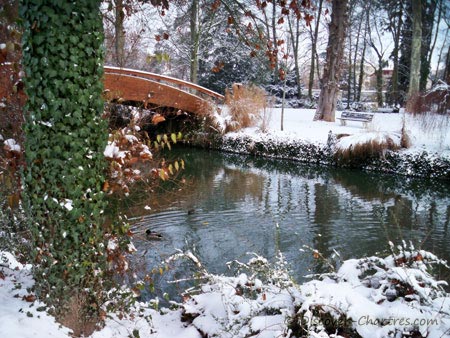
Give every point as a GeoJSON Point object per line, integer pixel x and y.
{"type": "Point", "coordinates": [432, 109]}
{"type": "Point", "coordinates": [436, 101]}
{"type": "Point", "coordinates": [247, 105]}
{"type": "Point", "coordinates": [360, 153]}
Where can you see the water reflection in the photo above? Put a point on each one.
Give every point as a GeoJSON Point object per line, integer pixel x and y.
{"type": "Point", "coordinates": [226, 205]}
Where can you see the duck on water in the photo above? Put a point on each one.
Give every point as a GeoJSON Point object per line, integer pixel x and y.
{"type": "Point", "coordinates": [153, 235]}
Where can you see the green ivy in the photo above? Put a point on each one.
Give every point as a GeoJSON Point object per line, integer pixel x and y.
{"type": "Point", "coordinates": [65, 139]}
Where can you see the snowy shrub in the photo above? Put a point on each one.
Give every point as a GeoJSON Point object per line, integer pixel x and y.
{"type": "Point", "coordinates": [352, 151]}
{"type": "Point", "coordinates": [412, 164]}
{"type": "Point", "coordinates": [255, 303]}
{"type": "Point", "coordinates": [395, 296]}
{"type": "Point", "coordinates": [266, 146]}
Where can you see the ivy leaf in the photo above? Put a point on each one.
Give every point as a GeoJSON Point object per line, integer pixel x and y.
{"type": "Point", "coordinates": [174, 138]}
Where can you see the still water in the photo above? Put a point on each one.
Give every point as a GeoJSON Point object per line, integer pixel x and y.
{"type": "Point", "coordinates": [223, 206]}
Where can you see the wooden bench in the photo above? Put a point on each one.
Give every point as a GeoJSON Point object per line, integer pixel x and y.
{"type": "Point", "coordinates": [365, 118]}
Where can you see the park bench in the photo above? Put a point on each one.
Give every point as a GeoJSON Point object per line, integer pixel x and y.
{"type": "Point", "coordinates": [365, 118]}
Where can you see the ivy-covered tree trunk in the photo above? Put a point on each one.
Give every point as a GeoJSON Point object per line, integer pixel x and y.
{"type": "Point", "coordinates": [65, 140]}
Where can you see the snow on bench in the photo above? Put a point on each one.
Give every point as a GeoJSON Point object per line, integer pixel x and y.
{"type": "Point", "coordinates": [365, 118]}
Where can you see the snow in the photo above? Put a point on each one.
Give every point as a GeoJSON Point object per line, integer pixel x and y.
{"type": "Point", "coordinates": [68, 204]}
{"type": "Point", "coordinates": [426, 132]}
{"type": "Point", "coordinates": [356, 297]}
{"type": "Point", "coordinates": [11, 145]}
{"type": "Point", "coordinates": [113, 151]}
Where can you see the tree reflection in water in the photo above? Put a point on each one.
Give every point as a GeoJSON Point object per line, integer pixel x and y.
{"type": "Point", "coordinates": [226, 205]}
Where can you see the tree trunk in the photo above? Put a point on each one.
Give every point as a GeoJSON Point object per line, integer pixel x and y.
{"type": "Point", "coordinates": [440, 57]}
{"type": "Point", "coordinates": [414, 78]}
{"type": "Point", "coordinates": [194, 42]}
{"type": "Point", "coordinates": [350, 69]}
{"type": "Point", "coordinates": [396, 24]}
{"type": "Point", "coordinates": [363, 56]}
{"type": "Point", "coordinates": [394, 95]}
{"type": "Point", "coordinates": [335, 51]}
{"type": "Point", "coordinates": [379, 86]}
{"type": "Point", "coordinates": [314, 38]}
{"type": "Point", "coordinates": [312, 70]}
{"type": "Point", "coordinates": [274, 38]}
{"type": "Point", "coordinates": [295, 38]}
{"type": "Point", "coordinates": [428, 13]}
{"type": "Point", "coordinates": [446, 76]}
{"type": "Point", "coordinates": [355, 56]}
{"type": "Point", "coordinates": [361, 72]}
{"type": "Point", "coordinates": [119, 31]}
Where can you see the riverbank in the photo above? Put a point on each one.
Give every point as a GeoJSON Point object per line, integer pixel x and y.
{"type": "Point", "coordinates": [377, 147]}
{"type": "Point", "coordinates": [367, 297]}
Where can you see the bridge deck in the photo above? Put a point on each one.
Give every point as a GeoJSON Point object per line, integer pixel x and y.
{"type": "Point", "coordinates": [160, 90]}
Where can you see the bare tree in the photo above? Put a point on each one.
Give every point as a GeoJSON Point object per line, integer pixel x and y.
{"type": "Point", "coordinates": [314, 37]}
{"type": "Point", "coordinates": [375, 41]}
{"type": "Point", "coordinates": [335, 52]}
{"type": "Point", "coordinates": [394, 24]}
{"type": "Point", "coordinates": [363, 53]}
{"type": "Point", "coordinates": [355, 38]}
{"type": "Point", "coordinates": [295, 33]}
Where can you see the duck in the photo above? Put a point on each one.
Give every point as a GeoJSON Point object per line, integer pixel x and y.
{"type": "Point", "coordinates": [153, 235]}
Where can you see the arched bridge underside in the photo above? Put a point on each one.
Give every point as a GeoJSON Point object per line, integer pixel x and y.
{"type": "Point", "coordinates": [145, 88]}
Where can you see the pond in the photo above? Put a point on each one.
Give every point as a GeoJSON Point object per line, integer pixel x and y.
{"type": "Point", "coordinates": [223, 206]}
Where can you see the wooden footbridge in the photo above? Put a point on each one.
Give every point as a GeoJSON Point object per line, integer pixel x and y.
{"type": "Point", "coordinates": [122, 84]}
{"type": "Point", "coordinates": [145, 88]}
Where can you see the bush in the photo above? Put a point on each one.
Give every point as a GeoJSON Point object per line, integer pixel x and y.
{"type": "Point", "coordinates": [362, 153]}
{"type": "Point", "coordinates": [247, 105]}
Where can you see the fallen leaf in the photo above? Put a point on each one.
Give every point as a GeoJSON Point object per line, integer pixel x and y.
{"type": "Point", "coordinates": [29, 298]}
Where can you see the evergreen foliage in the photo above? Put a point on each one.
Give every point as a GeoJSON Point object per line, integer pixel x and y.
{"type": "Point", "coordinates": [228, 62]}
{"type": "Point", "coordinates": [65, 166]}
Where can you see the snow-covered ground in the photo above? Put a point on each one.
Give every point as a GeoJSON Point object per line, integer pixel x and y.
{"type": "Point", "coordinates": [394, 296]}
{"type": "Point", "coordinates": [426, 133]}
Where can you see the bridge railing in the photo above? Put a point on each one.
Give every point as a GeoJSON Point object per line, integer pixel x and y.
{"type": "Point", "coordinates": [172, 81]}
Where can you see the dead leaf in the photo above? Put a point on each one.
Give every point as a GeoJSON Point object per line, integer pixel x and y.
{"type": "Point", "coordinates": [157, 118]}
{"type": "Point", "coordinates": [29, 298]}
